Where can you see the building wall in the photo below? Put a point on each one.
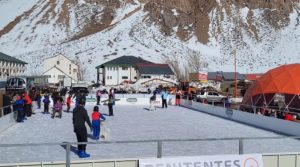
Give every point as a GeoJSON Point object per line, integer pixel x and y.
{"type": "Point", "coordinates": [55, 76]}
{"type": "Point", "coordinates": [63, 64]}
{"type": "Point", "coordinates": [11, 69]}
{"type": "Point", "coordinates": [156, 76]}
{"type": "Point", "coordinates": [115, 75]}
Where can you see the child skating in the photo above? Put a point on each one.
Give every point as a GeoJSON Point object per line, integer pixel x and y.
{"type": "Point", "coordinates": [96, 117]}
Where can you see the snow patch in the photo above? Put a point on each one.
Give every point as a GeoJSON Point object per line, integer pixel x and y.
{"type": "Point", "coordinates": [175, 13]}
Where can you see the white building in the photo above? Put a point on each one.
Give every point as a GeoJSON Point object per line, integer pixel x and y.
{"type": "Point", "coordinates": [10, 66]}
{"type": "Point", "coordinates": [121, 69]}
{"type": "Point", "coordinates": [59, 67]}
{"type": "Point", "coordinates": [131, 69]}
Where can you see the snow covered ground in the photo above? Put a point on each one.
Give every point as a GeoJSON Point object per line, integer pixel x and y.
{"type": "Point", "coordinates": [137, 123]}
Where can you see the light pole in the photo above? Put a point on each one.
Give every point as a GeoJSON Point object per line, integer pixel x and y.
{"type": "Point", "coordinates": [235, 75]}
{"type": "Point", "coordinates": [236, 35]}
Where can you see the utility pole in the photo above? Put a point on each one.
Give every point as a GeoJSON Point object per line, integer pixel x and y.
{"type": "Point", "coordinates": [235, 75]}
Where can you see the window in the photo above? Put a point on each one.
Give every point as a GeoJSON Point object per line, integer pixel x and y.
{"type": "Point", "coordinates": [124, 68]}
{"type": "Point", "coordinates": [74, 70]}
{"type": "Point", "coordinates": [107, 77]}
{"type": "Point", "coordinates": [57, 62]}
{"type": "Point", "coordinates": [124, 77]}
{"type": "Point", "coordinates": [110, 77]}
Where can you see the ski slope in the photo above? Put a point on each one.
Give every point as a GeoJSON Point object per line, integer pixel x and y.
{"type": "Point", "coordinates": [137, 123]}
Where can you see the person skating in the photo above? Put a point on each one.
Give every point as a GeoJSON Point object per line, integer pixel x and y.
{"type": "Point", "coordinates": [58, 106]}
{"type": "Point", "coordinates": [19, 104]}
{"type": "Point", "coordinates": [69, 100]}
{"type": "Point", "coordinates": [98, 95]}
{"type": "Point", "coordinates": [178, 96]}
{"type": "Point", "coordinates": [110, 103]}
{"type": "Point", "coordinates": [46, 102]}
{"type": "Point", "coordinates": [28, 105]}
{"type": "Point", "coordinates": [80, 116]}
{"type": "Point", "coordinates": [152, 102]}
{"type": "Point", "coordinates": [96, 116]}
{"type": "Point", "coordinates": [38, 99]}
{"type": "Point", "coordinates": [164, 97]}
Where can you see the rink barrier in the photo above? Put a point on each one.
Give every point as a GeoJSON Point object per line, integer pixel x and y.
{"type": "Point", "coordinates": [7, 120]}
{"type": "Point", "coordinates": [263, 122]}
{"type": "Point", "coordinates": [270, 160]}
{"type": "Point", "coordinates": [137, 99]}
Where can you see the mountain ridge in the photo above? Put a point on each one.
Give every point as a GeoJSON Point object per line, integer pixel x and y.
{"type": "Point", "coordinates": [263, 34]}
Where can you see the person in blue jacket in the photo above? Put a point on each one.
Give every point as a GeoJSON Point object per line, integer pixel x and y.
{"type": "Point", "coordinates": [19, 106]}
{"type": "Point", "coordinates": [46, 102]}
{"type": "Point", "coordinates": [164, 97]}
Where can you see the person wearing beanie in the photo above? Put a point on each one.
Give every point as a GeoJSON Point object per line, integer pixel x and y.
{"type": "Point", "coordinates": [80, 117]}
{"type": "Point", "coordinates": [96, 116]}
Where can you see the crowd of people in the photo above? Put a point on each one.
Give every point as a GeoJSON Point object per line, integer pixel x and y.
{"type": "Point", "coordinates": [23, 104]}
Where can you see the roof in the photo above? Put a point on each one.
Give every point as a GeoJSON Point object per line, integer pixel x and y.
{"type": "Point", "coordinates": [125, 61]}
{"type": "Point", "coordinates": [158, 69]}
{"type": "Point", "coordinates": [253, 77]}
{"type": "Point", "coordinates": [60, 71]}
{"type": "Point", "coordinates": [62, 56]}
{"type": "Point", "coordinates": [225, 75]}
{"type": "Point", "coordinates": [284, 79]}
{"type": "Point", "coordinates": [5, 57]}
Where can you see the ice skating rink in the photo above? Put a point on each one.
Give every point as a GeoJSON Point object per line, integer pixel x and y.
{"type": "Point", "coordinates": [137, 123]}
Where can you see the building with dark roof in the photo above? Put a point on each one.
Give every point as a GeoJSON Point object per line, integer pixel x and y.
{"type": "Point", "coordinates": [10, 66]}
{"type": "Point", "coordinates": [130, 68]}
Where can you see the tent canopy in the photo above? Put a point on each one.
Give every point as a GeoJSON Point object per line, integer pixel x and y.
{"type": "Point", "coordinates": [284, 79]}
{"type": "Point", "coordinates": [281, 80]}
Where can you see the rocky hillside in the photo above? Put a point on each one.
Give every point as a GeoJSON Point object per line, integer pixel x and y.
{"type": "Point", "coordinates": [264, 33]}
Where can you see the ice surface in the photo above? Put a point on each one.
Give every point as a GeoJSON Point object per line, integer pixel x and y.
{"type": "Point", "coordinates": [137, 123]}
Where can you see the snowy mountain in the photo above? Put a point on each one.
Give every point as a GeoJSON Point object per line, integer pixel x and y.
{"type": "Point", "coordinates": [264, 34]}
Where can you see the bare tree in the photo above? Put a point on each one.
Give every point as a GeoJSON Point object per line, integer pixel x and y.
{"type": "Point", "coordinates": [175, 66]}
{"type": "Point", "coordinates": [196, 62]}
{"type": "Point", "coordinates": [82, 69]}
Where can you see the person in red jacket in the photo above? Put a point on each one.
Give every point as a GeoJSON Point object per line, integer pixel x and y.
{"type": "Point", "coordinates": [96, 116]}
{"type": "Point", "coordinates": [289, 117]}
{"type": "Point", "coordinates": [28, 105]}
{"type": "Point", "coordinates": [69, 100]}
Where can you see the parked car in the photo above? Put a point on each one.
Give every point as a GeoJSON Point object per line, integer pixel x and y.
{"type": "Point", "coordinates": [210, 96]}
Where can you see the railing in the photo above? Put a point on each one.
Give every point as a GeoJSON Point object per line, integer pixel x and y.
{"type": "Point", "coordinates": [159, 144]}
{"type": "Point", "coordinates": [9, 109]}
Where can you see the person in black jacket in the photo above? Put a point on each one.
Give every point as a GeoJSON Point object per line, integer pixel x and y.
{"type": "Point", "coordinates": [80, 116]}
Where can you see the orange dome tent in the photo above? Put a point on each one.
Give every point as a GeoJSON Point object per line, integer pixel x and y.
{"type": "Point", "coordinates": [283, 81]}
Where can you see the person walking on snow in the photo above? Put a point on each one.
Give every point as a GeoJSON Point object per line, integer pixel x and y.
{"type": "Point", "coordinates": [96, 116]}
{"type": "Point", "coordinates": [80, 117]}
